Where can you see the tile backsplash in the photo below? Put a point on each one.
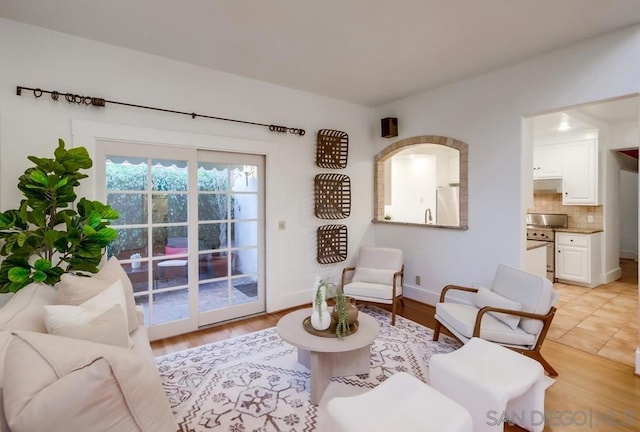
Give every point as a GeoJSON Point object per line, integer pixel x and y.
{"type": "Point", "coordinates": [551, 202]}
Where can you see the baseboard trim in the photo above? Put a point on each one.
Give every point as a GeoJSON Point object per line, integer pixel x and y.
{"type": "Point", "coordinates": [612, 275]}
{"type": "Point", "coordinates": [629, 254]}
{"type": "Point", "coordinates": [431, 297]}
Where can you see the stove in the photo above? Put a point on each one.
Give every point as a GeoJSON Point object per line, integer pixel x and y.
{"type": "Point", "coordinates": [540, 226]}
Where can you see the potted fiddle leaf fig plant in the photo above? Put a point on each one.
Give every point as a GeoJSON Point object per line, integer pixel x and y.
{"type": "Point", "coordinates": [45, 237]}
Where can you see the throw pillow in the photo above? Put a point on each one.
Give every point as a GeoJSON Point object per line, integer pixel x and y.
{"type": "Point", "coordinates": [74, 290]}
{"type": "Point", "coordinates": [60, 384]}
{"type": "Point", "coordinates": [60, 319]}
{"type": "Point", "coordinates": [485, 297]}
{"type": "Point", "coordinates": [372, 275]}
{"type": "Point", "coordinates": [108, 327]}
{"type": "Point", "coordinates": [24, 310]}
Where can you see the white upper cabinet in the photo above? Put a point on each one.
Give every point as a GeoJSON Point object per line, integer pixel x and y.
{"type": "Point", "coordinates": [581, 173]}
{"type": "Point", "coordinates": [576, 163]}
{"type": "Point", "coordinates": [548, 161]}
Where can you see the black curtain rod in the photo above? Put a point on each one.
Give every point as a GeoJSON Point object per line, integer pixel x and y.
{"type": "Point", "coordinates": [100, 102]}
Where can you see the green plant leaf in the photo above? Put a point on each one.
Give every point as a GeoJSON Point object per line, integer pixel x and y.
{"type": "Point", "coordinates": [39, 276]}
{"type": "Point", "coordinates": [62, 182]}
{"type": "Point", "coordinates": [39, 177]}
{"type": "Point", "coordinates": [19, 274]}
{"type": "Point", "coordinates": [42, 265]}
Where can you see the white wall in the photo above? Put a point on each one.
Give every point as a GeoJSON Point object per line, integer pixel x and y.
{"type": "Point", "coordinates": [486, 113]}
{"type": "Point", "coordinates": [413, 187]}
{"type": "Point", "coordinates": [629, 215]}
{"type": "Point", "coordinates": [34, 57]}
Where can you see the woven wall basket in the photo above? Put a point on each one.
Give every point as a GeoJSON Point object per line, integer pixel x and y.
{"type": "Point", "coordinates": [332, 244]}
{"type": "Point", "coordinates": [332, 149]}
{"type": "Point", "coordinates": [332, 196]}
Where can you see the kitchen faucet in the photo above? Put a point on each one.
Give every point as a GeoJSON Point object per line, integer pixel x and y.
{"type": "Point", "coordinates": [427, 216]}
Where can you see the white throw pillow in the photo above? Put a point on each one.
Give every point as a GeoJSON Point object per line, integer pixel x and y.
{"type": "Point", "coordinates": [58, 318]}
{"type": "Point", "coordinates": [109, 327]}
{"type": "Point", "coordinates": [74, 290]}
{"type": "Point", "coordinates": [372, 275]}
{"type": "Point", "coordinates": [485, 297]}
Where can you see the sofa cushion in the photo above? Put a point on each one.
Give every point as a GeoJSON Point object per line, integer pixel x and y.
{"type": "Point", "coordinates": [55, 384]}
{"type": "Point", "coordinates": [100, 319]}
{"type": "Point", "coordinates": [108, 327]}
{"type": "Point", "coordinates": [380, 258]}
{"type": "Point", "coordinates": [24, 310]}
{"type": "Point", "coordinates": [74, 290]}
{"type": "Point", "coordinates": [485, 297]}
{"type": "Point", "coordinates": [373, 275]}
{"type": "Point", "coordinates": [462, 317]}
{"type": "Point", "coordinates": [534, 293]}
{"type": "Point", "coordinates": [371, 291]}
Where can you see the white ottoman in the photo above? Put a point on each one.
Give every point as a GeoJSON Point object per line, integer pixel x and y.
{"type": "Point", "coordinates": [494, 383]}
{"type": "Point", "coordinates": [401, 403]}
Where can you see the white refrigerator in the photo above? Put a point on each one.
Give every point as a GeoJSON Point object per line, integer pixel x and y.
{"type": "Point", "coordinates": [448, 205]}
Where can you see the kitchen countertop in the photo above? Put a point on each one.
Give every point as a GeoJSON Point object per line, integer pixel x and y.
{"type": "Point", "coordinates": [579, 230]}
{"type": "Point", "coordinates": [534, 244]}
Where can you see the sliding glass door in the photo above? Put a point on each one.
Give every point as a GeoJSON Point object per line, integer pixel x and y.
{"type": "Point", "coordinates": [190, 232]}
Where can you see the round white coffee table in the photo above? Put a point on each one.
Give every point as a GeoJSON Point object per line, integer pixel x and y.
{"type": "Point", "coordinates": [328, 357]}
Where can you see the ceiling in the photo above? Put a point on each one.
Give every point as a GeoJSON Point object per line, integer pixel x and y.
{"type": "Point", "coordinates": [368, 52]}
{"type": "Point", "coordinates": [588, 116]}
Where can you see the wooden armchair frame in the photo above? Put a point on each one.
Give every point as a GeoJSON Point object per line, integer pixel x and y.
{"type": "Point", "coordinates": [395, 299]}
{"type": "Point", "coordinates": [533, 353]}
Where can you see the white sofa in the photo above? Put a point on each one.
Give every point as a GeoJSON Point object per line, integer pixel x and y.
{"type": "Point", "coordinates": [55, 382]}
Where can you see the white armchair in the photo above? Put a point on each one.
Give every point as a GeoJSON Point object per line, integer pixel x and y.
{"type": "Point", "coordinates": [515, 312]}
{"type": "Point", "coordinates": [376, 278]}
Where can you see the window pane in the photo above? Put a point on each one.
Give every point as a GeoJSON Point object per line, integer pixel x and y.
{"type": "Point", "coordinates": [130, 241]}
{"type": "Point", "coordinates": [244, 234]}
{"type": "Point", "coordinates": [245, 206]}
{"type": "Point", "coordinates": [214, 265]}
{"type": "Point", "coordinates": [170, 240]}
{"type": "Point", "coordinates": [126, 173]}
{"type": "Point", "coordinates": [170, 306]}
{"type": "Point", "coordinates": [169, 175]}
{"type": "Point", "coordinates": [171, 273]}
{"type": "Point", "coordinates": [245, 261]}
{"type": "Point", "coordinates": [138, 273]}
{"type": "Point", "coordinates": [169, 208]}
{"type": "Point", "coordinates": [212, 207]}
{"type": "Point", "coordinates": [213, 295]}
{"type": "Point", "coordinates": [245, 178]}
{"type": "Point", "coordinates": [212, 236]}
{"type": "Point", "coordinates": [131, 207]}
{"type": "Point", "coordinates": [212, 177]}
{"type": "Point", "coordinates": [244, 290]}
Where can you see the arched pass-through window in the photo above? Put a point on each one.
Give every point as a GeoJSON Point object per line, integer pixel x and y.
{"type": "Point", "coordinates": [423, 181]}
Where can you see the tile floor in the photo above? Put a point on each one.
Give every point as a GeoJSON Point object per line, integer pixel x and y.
{"type": "Point", "coordinates": [601, 320]}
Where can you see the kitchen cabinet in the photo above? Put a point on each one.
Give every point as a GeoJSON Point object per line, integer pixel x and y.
{"type": "Point", "coordinates": [576, 163]}
{"type": "Point", "coordinates": [580, 173]}
{"type": "Point", "coordinates": [548, 161]}
{"type": "Point", "coordinates": [578, 258]}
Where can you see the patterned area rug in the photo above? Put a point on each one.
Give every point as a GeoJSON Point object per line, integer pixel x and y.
{"type": "Point", "coordinates": [254, 383]}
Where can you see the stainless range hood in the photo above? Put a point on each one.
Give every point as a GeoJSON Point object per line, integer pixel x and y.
{"type": "Point", "coordinates": [548, 185]}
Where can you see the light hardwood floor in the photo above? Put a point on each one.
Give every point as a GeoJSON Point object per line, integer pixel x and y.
{"type": "Point", "coordinates": [591, 393]}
